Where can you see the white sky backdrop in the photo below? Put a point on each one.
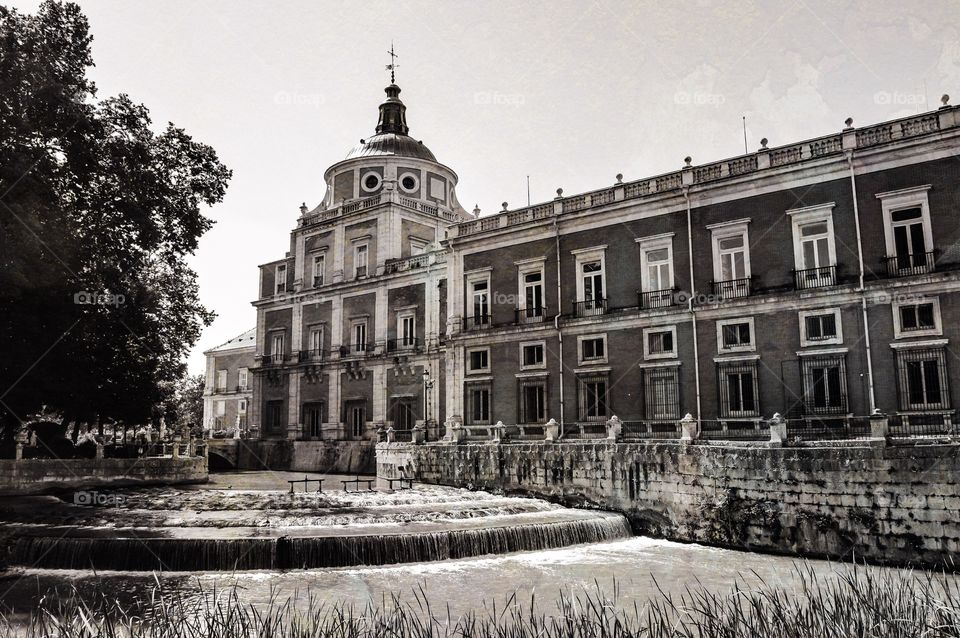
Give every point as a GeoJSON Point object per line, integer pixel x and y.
{"type": "Point", "coordinates": [571, 93]}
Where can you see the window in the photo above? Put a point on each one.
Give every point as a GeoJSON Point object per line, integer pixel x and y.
{"type": "Point", "coordinates": [825, 384]}
{"type": "Point", "coordinates": [316, 342]}
{"type": "Point", "coordinates": [221, 380]}
{"type": "Point", "coordinates": [590, 281]}
{"type": "Point", "coordinates": [592, 400]}
{"type": "Point", "coordinates": [532, 355]}
{"type": "Point", "coordinates": [478, 360]}
{"type": "Point", "coordinates": [359, 330]}
{"type": "Point", "coordinates": [371, 182]}
{"type": "Point", "coordinates": [820, 327]}
{"type": "Point", "coordinates": [531, 308]}
{"type": "Point", "coordinates": [813, 246]}
{"type": "Point", "coordinates": [407, 329]}
{"type": "Point", "coordinates": [360, 260]}
{"type": "Point", "coordinates": [907, 231]}
{"type": "Point", "coordinates": [410, 183]}
{"type": "Point", "coordinates": [593, 348]}
{"type": "Point", "coordinates": [731, 259]}
{"type": "Point", "coordinates": [221, 408]}
{"type": "Point", "coordinates": [242, 379]}
{"type": "Point", "coordinates": [923, 381]}
{"type": "Point", "coordinates": [661, 393]}
{"type": "Point", "coordinates": [418, 246]}
{"type": "Point", "coordinates": [656, 271]}
{"type": "Point", "coordinates": [479, 288]}
{"type": "Point", "coordinates": [660, 343]}
{"type": "Point", "coordinates": [738, 389]}
{"type": "Point", "coordinates": [356, 418]}
{"type": "Point", "coordinates": [242, 406]}
{"type": "Point", "coordinates": [318, 262]}
{"type": "Point", "coordinates": [273, 416]}
{"type": "Point", "coordinates": [735, 335]}
{"type": "Point", "coordinates": [478, 403]}
{"type": "Point", "coordinates": [281, 278]}
{"type": "Point", "coordinates": [533, 401]}
{"type": "Point", "coordinates": [403, 415]}
{"type": "Point", "coordinates": [277, 350]}
{"type": "Point", "coordinates": [917, 318]}
{"type": "Point", "coordinates": [312, 419]}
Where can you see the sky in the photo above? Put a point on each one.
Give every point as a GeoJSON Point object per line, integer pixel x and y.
{"type": "Point", "coordinates": [569, 93]}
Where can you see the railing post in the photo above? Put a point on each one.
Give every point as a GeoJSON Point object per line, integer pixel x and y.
{"type": "Point", "coordinates": [879, 428]}
{"type": "Point", "coordinates": [19, 453]}
{"type": "Point", "coordinates": [176, 447]}
{"type": "Point", "coordinates": [418, 435]}
{"type": "Point", "coordinates": [498, 431]}
{"type": "Point", "coordinates": [778, 430]}
{"type": "Point", "coordinates": [614, 428]}
{"type": "Point", "coordinates": [551, 430]}
{"type": "Point", "coordinates": [689, 429]}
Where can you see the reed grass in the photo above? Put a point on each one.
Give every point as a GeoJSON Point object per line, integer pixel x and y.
{"type": "Point", "coordinates": [856, 602]}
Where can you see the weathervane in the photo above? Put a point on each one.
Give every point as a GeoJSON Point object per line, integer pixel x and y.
{"type": "Point", "coordinates": [393, 63]}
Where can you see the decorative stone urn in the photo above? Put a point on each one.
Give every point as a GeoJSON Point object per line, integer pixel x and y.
{"type": "Point", "coordinates": [689, 429]}
{"type": "Point", "coordinates": [778, 430]}
{"type": "Point", "coordinates": [552, 430]}
{"type": "Point", "coordinates": [499, 430]}
{"type": "Point", "coordinates": [614, 428]}
{"type": "Point", "coordinates": [419, 434]}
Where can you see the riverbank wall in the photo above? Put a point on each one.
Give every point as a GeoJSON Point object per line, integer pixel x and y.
{"type": "Point", "coordinates": [886, 504]}
{"type": "Point", "coordinates": [38, 476]}
{"type": "Point", "coordinates": [335, 457]}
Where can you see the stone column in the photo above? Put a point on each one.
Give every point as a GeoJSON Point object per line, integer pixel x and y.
{"type": "Point", "coordinates": [19, 452]}
{"type": "Point", "coordinates": [380, 318]}
{"type": "Point", "coordinates": [379, 393]}
{"type": "Point", "coordinates": [338, 250]}
{"type": "Point", "coordinates": [334, 408]}
{"type": "Point", "coordinates": [293, 406]}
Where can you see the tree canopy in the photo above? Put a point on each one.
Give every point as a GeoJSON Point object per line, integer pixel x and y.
{"type": "Point", "coordinates": [98, 211]}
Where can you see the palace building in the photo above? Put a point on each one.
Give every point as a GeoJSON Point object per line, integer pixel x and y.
{"type": "Point", "coordinates": [818, 280]}
{"type": "Point", "coordinates": [351, 321]}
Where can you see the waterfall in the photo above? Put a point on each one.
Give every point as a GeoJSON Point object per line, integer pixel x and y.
{"type": "Point", "coordinates": [214, 554]}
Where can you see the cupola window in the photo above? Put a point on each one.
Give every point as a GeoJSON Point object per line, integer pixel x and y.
{"type": "Point", "coordinates": [410, 183]}
{"type": "Point", "coordinates": [371, 182]}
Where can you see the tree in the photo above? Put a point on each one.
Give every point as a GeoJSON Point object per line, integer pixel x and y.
{"type": "Point", "coordinates": [98, 307]}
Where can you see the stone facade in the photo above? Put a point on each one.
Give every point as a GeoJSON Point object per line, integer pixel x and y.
{"type": "Point", "coordinates": [884, 504]}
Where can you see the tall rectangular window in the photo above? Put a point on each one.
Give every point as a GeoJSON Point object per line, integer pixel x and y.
{"type": "Point", "coordinates": [661, 393]}
{"type": "Point", "coordinates": [360, 336]}
{"type": "Point", "coordinates": [408, 331]}
{"type": "Point", "coordinates": [478, 403]}
{"type": "Point", "coordinates": [221, 380]}
{"type": "Point", "coordinates": [533, 401]}
{"type": "Point", "coordinates": [731, 259]}
{"type": "Point", "coordinates": [923, 380]}
{"type": "Point", "coordinates": [738, 389]}
{"type": "Point", "coordinates": [277, 346]}
{"type": "Point", "coordinates": [273, 416]}
{"type": "Point", "coordinates": [656, 271]}
{"type": "Point", "coordinates": [313, 419]}
{"type": "Point", "coordinates": [592, 273]}
{"type": "Point", "coordinates": [533, 294]}
{"type": "Point", "coordinates": [825, 385]}
{"type": "Point", "coordinates": [907, 230]}
{"type": "Point", "coordinates": [281, 278]}
{"type": "Point", "coordinates": [591, 281]}
{"type": "Point", "coordinates": [357, 418]}
{"type": "Point", "coordinates": [360, 260]}
{"type": "Point", "coordinates": [592, 399]}
{"type": "Point", "coordinates": [318, 264]}
{"type": "Point", "coordinates": [242, 379]}
{"type": "Point", "coordinates": [480, 301]}
{"type": "Point", "coordinates": [316, 342]}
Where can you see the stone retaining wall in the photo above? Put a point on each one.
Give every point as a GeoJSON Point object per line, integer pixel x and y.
{"type": "Point", "coordinates": [36, 476]}
{"type": "Point", "coordinates": [898, 504]}
{"type": "Point", "coordinates": [341, 457]}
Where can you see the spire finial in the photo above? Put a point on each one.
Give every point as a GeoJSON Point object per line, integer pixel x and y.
{"type": "Point", "coordinates": [392, 67]}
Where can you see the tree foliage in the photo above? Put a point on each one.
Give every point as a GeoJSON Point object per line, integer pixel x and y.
{"type": "Point", "coordinates": [95, 206]}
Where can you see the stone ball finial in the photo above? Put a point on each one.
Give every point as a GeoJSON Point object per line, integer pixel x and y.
{"type": "Point", "coordinates": [619, 178]}
{"type": "Point", "coordinates": [363, 141]}
{"type": "Point", "coordinates": [763, 143]}
{"type": "Point", "coordinates": [559, 192]}
{"type": "Point", "coordinates": [688, 161]}
{"type": "Point", "coordinates": [849, 122]}
{"type": "Point", "coordinates": [945, 99]}
{"type": "Point", "coordinates": [504, 204]}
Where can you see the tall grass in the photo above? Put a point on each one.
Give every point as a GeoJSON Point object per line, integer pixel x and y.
{"type": "Point", "coordinates": [857, 602]}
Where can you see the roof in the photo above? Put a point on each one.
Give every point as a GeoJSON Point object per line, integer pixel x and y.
{"type": "Point", "coordinates": [391, 144]}
{"type": "Point", "coordinates": [246, 340]}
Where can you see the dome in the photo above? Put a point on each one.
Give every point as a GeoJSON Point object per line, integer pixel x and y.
{"type": "Point", "coordinates": [394, 144]}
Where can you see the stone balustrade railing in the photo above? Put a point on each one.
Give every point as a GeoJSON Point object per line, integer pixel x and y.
{"type": "Point", "coordinates": [366, 203]}
{"type": "Point", "coordinates": [765, 158]}
{"type": "Point", "coordinates": [415, 262]}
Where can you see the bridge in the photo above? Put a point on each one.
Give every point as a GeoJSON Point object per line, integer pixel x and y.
{"type": "Point", "coordinates": [224, 454]}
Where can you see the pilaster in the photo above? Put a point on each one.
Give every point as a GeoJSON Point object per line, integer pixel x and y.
{"type": "Point", "coordinates": [293, 405]}
{"type": "Point", "coordinates": [379, 393]}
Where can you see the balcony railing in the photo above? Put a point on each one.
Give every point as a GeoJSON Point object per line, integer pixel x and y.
{"type": "Point", "coordinates": [313, 355]}
{"type": "Point", "coordinates": [529, 315]}
{"type": "Point", "coordinates": [357, 349]}
{"type": "Point", "coordinates": [477, 322]}
{"type": "Point", "coordinates": [815, 277]}
{"type": "Point", "coordinates": [656, 298]}
{"type": "Point", "coordinates": [731, 288]}
{"type": "Point", "coordinates": [317, 281]}
{"type": "Point", "coordinates": [589, 307]}
{"type": "Point", "coordinates": [910, 264]}
{"type": "Point", "coordinates": [276, 358]}
{"type": "Point", "coordinates": [403, 343]}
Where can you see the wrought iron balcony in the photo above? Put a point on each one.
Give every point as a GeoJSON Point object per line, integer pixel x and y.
{"type": "Point", "coordinates": [910, 264]}
{"type": "Point", "coordinates": [477, 322]}
{"type": "Point", "coordinates": [357, 349]}
{"type": "Point", "coordinates": [403, 343]}
{"type": "Point", "coordinates": [815, 277]}
{"type": "Point", "coordinates": [656, 298]}
{"type": "Point", "coordinates": [731, 288]}
{"type": "Point", "coordinates": [590, 307]}
{"type": "Point", "coordinates": [313, 355]}
{"type": "Point", "coordinates": [534, 314]}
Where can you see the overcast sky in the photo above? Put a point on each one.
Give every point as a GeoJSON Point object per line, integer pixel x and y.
{"type": "Point", "coordinates": [570, 93]}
